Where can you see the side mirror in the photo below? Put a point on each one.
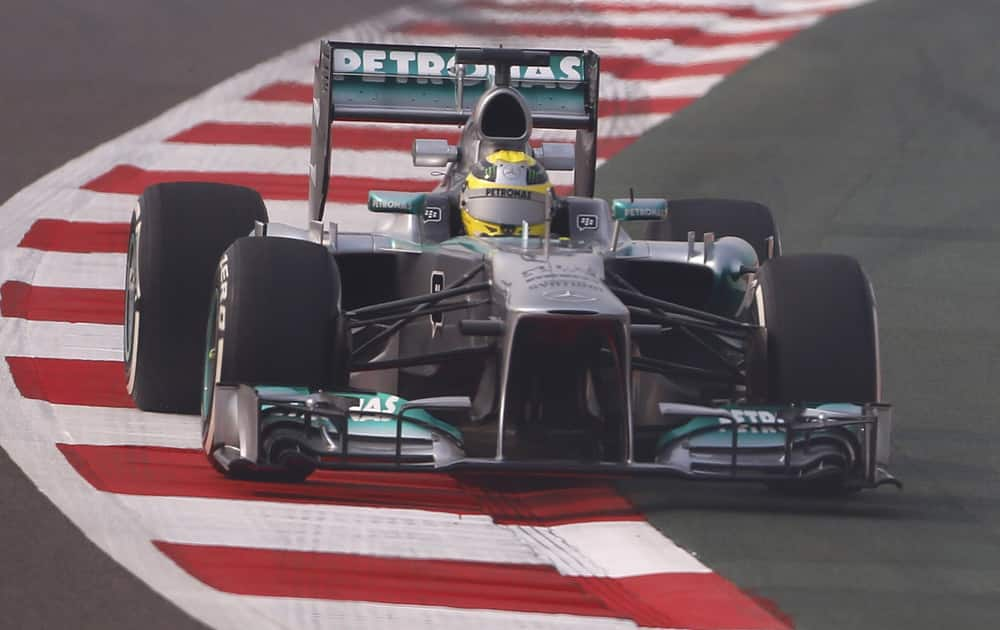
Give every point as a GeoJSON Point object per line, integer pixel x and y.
{"type": "Point", "coordinates": [433, 153]}
{"type": "Point", "coordinates": [398, 202]}
{"type": "Point", "coordinates": [556, 156]}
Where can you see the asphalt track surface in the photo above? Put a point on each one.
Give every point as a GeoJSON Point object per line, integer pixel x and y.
{"type": "Point", "coordinates": [873, 134]}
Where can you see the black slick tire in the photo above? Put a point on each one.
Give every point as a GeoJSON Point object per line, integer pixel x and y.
{"type": "Point", "coordinates": [276, 320]}
{"type": "Point", "coordinates": [278, 313]}
{"type": "Point", "coordinates": [749, 220]}
{"type": "Point", "coordinates": [822, 339]}
{"type": "Point", "coordinates": [178, 231]}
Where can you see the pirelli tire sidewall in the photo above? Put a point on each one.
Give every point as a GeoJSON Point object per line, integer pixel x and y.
{"type": "Point", "coordinates": [178, 231]}
{"type": "Point", "coordinates": [277, 319]}
{"type": "Point", "coordinates": [822, 330]}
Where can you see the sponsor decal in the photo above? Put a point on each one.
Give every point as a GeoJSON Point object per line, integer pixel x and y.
{"type": "Point", "coordinates": [586, 221]}
{"type": "Point", "coordinates": [754, 420]}
{"type": "Point", "coordinates": [432, 214]}
{"type": "Point", "coordinates": [380, 65]}
{"type": "Point", "coordinates": [642, 213]}
{"type": "Point", "coordinates": [376, 404]}
{"type": "Point", "coordinates": [223, 291]}
{"type": "Point", "coordinates": [394, 201]}
{"type": "Point", "coordinates": [389, 204]}
{"type": "Point", "coordinates": [508, 193]}
{"type": "Point", "coordinates": [639, 209]}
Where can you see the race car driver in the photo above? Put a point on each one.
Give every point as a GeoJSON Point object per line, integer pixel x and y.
{"type": "Point", "coordinates": [503, 191]}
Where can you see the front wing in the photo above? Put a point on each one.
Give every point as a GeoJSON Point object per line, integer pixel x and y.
{"type": "Point", "coordinates": [261, 430]}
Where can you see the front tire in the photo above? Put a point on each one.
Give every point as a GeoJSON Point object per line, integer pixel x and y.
{"type": "Point", "coordinates": [276, 320]}
{"type": "Point", "coordinates": [178, 231]}
{"type": "Point", "coordinates": [822, 338]}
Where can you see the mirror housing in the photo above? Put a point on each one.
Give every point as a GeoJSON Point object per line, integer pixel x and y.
{"type": "Point", "coordinates": [556, 156]}
{"type": "Point", "coordinates": [433, 153]}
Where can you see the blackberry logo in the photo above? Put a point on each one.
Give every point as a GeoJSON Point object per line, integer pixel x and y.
{"type": "Point", "coordinates": [432, 214]}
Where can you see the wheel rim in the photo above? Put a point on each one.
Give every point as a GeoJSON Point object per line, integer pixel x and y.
{"type": "Point", "coordinates": [211, 360]}
{"type": "Point", "coordinates": [132, 295]}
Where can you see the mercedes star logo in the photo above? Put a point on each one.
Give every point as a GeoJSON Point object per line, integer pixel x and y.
{"type": "Point", "coordinates": [568, 296]}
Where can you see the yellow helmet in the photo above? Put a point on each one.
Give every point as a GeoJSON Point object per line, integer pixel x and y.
{"type": "Point", "coordinates": [504, 190]}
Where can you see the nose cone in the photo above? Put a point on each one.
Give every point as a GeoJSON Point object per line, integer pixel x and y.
{"type": "Point", "coordinates": [563, 283]}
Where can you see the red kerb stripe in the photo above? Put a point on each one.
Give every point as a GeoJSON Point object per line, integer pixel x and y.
{"type": "Point", "coordinates": [71, 381]}
{"type": "Point", "coordinates": [614, 7]}
{"type": "Point", "coordinates": [528, 588]}
{"type": "Point", "coordinates": [127, 179]}
{"type": "Point", "coordinates": [284, 92]}
{"type": "Point", "coordinates": [660, 600]}
{"type": "Point", "coordinates": [687, 36]}
{"type": "Point", "coordinates": [57, 235]}
{"type": "Point", "coordinates": [158, 471]}
{"type": "Point", "coordinates": [513, 499]}
{"type": "Point", "coordinates": [60, 304]}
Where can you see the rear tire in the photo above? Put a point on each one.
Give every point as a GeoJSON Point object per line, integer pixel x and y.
{"type": "Point", "coordinates": [178, 231]}
{"type": "Point", "coordinates": [749, 220]}
{"type": "Point", "coordinates": [822, 339]}
{"type": "Point", "coordinates": [276, 320]}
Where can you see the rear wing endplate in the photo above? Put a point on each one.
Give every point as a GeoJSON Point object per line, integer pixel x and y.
{"type": "Point", "coordinates": [441, 85]}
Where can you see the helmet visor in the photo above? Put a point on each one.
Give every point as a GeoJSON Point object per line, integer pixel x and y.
{"type": "Point", "coordinates": [507, 206]}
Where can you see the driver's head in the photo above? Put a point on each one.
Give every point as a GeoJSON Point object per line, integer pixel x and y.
{"type": "Point", "coordinates": [503, 190]}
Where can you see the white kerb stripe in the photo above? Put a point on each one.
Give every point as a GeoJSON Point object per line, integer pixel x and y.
{"type": "Point", "coordinates": [60, 340]}
{"type": "Point", "coordinates": [58, 269]}
{"type": "Point", "coordinates": [119, 426]}
{"type": "Point", "coordinates": [381, 532]}
{"type": "Point", "coordinates": [611, 549]}
{"type": "Point", "coordinates": [602, 549]}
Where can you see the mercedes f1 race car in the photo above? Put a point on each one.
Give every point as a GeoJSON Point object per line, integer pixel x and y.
{"type": "Point", "coordinates": [496, 322]}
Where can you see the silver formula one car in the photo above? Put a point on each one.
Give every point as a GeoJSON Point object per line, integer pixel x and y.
{"type": "Point", "coordinates": [491, 322]}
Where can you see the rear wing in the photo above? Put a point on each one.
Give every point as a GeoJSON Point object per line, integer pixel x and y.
{"type": "Point", "coordinates": [441, 85]}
